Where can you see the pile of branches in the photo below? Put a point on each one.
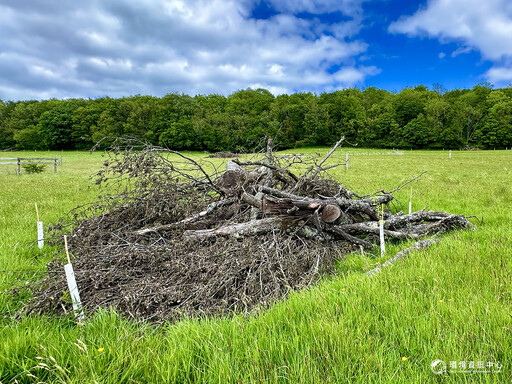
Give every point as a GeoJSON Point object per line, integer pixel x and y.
{"type": "Point", "coordinates": [175, 236]}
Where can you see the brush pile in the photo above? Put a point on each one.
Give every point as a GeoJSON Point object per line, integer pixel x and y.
{"type": "Point", "coordinates": [175, 236]}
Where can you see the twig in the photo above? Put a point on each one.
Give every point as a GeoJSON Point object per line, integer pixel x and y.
{"type": "Point", "coordinates": [319, 165]}
{"type": "Point", "coordinates": [396, 189]}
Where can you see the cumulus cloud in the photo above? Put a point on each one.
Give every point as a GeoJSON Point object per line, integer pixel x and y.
{"type": "Point", "coordinates": [485, 26]}
{"type": "Point", "coordinates": [125, 47]}
{"type": "Point", "coordinates": [500, 75]}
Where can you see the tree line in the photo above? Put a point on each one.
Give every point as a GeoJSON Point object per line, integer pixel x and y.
{"type": "Point", "coordinates": [417, 117]}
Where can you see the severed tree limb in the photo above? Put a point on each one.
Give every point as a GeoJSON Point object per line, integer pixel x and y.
{"type": "Point", "coordinates": [367, 227]}
{"type": "Point", "coordinates": [282, 194]}
{"type": "Point", "coordinates": [255, 201]}
{"type": "Point", "coordinates": [211, 207]}
{"type": "Point", "coordinates": [365, 204]}
{"type": "Point", "coordinates": [418, 245]}
{"type": "Point", "coordinates": [344, 235]}
{"type": "Point", "coordinates": [358, 206]}
{"type": "Point", "coordinates": [398, 222]}
{"type": "Point", "coordinates": [250, 228]}
{"type": "Point", "coordinates": [415, 225]}
{"type": "Point", "coordinates": [452, 221]}
{"type": "Point", "coordinates": [270, 158]}
{"type": "Point", "coordinates": [318, 167]}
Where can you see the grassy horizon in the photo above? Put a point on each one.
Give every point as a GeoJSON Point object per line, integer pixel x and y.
{"type": "Point", "coordinates": [451, 302]}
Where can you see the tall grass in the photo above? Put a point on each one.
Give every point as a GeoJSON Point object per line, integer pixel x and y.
{"type": "Point", "coordinates": [451, 302]}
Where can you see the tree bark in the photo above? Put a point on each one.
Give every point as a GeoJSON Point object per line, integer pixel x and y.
{"type": "Point", "coordinates": [250, 228]}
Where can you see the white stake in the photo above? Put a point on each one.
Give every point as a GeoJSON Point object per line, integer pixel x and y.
{"type": "Point", "coordinates": [40, 232]}
{"type": "Point", "coordinates": [346, 161]}
{"type": "Point", "coordinates": [410, 202]}
{"type": "Point", "coordinates": [382, 243]}
{"type": "Point", "coordinates": [450, 154]}
{"type": "Point", "coordinates": [381, 227]}
{"type": "Point", "coordinates": [73, 287]}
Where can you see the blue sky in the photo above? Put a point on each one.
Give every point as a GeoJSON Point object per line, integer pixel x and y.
{"type": "Point", "coordinates": [120, 48]}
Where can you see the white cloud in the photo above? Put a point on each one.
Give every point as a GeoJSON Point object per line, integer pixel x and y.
{"type": "Point", "coordinates": [351, 75]}
{"type": "Point", "coordinates": [461, 51]}
{"type": "Point", "coordinates": [485, 26]}
{"type": "Point", "coordinates": [501, 75]}
{"type": "Point", "coordinates": [125, 47]}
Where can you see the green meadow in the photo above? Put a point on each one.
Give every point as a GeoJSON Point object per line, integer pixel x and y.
{"type": "Point", "coordinates": [451, 302]}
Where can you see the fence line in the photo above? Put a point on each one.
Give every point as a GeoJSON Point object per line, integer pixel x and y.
{"type": "Point", "coordinates": [29, 160]}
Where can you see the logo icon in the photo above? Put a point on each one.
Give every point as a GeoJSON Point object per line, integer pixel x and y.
{"type": "Point", "coordinates": [438, 367]}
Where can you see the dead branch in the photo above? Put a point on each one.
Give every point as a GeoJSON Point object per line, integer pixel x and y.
{"type": "Point", "coordinates": [251, 228]}
{"type": "Point", "coordinates": [318, 168]}
{"type": "Point", "coordinates": [188, 220]}
{"type": "Point", "coordinates": [417, 246]}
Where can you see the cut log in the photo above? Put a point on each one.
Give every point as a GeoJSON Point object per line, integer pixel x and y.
{"type": "Point", "coordinates": [366, 206]}
{"type": "Point", "coordinates": [288, 208]}
{"type": "Point", "coordinates": [330, 213]}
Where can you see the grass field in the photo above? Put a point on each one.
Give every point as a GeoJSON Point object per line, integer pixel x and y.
{"type": "Point", "coordinates": [451, 302]}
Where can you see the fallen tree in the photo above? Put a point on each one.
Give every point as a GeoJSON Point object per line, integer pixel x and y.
{"type": "Point", "coordinates": [177, 236]}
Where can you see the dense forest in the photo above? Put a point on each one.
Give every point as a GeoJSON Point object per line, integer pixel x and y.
{"type": "Point", "coordinates": [413, 118]}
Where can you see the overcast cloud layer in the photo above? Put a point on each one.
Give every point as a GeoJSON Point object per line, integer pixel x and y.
{"type": "Point", "coordinates": [482, 25]}
{"type": "Point", "coordinates": [62, 49]}
{"type": "Point", "coordinates": [118, 48]}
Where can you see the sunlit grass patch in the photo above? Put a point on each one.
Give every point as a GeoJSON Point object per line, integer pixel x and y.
{"type": "Point", "coordinates": [450, 302]}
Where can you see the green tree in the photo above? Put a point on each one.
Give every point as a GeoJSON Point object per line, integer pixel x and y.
{"type": "Point", "coordinates": [84, 122]}
{"type": "Point", "coordinates": [408, 104]}
{"type": "Point", "coordinates": [6, 132]}
{"type": "Point", "coordinates": [347, 114]}
{"type": "Point", "coordinates": [496, 130]}
{"type": "Point", "coordinates": [249, 112]}
{"type": "Point", "coordinates": [28, 138]}
{"type": "Point", "coordinates": [416, 134]}
{"type": "Point", "coordinates": [56, 126]}
{"type": "Point", "coordinates": [180, 135]}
